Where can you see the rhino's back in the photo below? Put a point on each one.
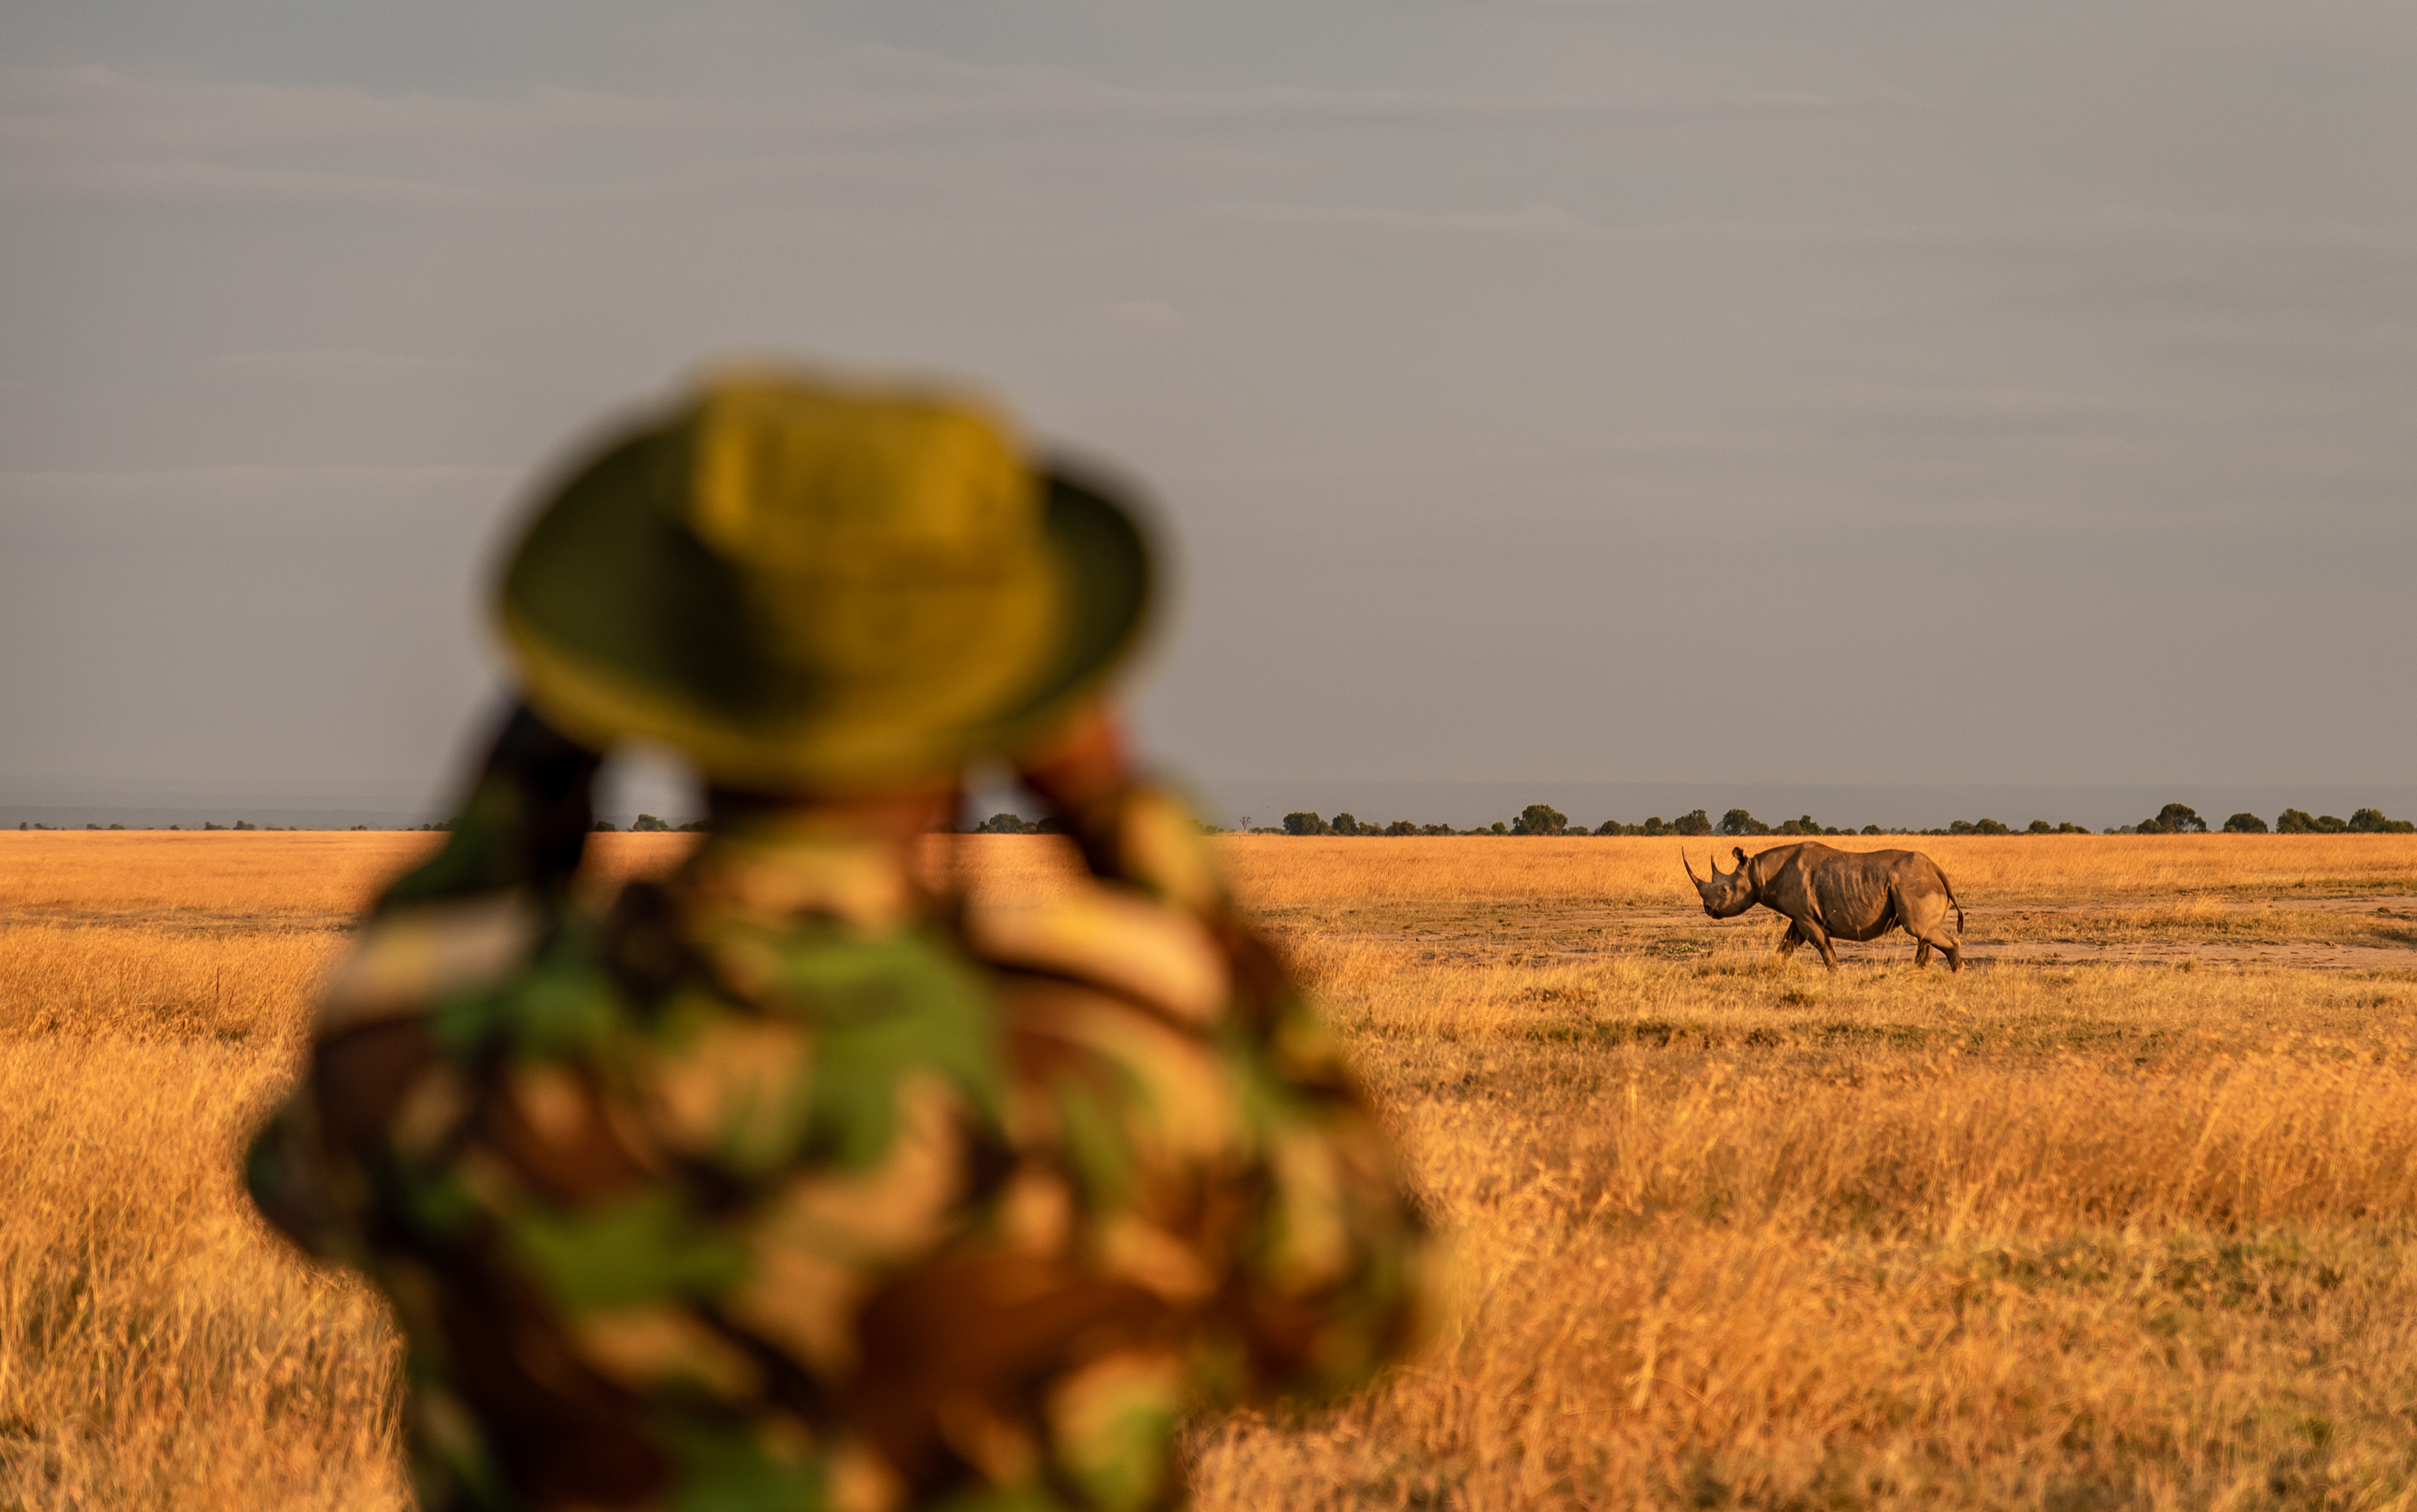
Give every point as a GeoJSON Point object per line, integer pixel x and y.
{"type": "Point", "coordinates": [1858, 889]}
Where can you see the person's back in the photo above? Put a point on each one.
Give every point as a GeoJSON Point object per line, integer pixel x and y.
{"type": "Point", "coordinates": [790, 1180]}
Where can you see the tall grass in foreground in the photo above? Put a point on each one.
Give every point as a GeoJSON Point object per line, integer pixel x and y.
{"type": "Point", "coordinates": [1724, 1232]}
{"type": "Point", "coordinates": [2103, 1239]}
{"type": "Point", "coordinates": [157, 1349]}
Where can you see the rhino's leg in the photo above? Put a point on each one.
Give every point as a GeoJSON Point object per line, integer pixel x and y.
{"type": "Point", "coordinates": [1925, 920]}
{"type": "Point", "coordinates": [1820, 939]}
{"type": "Point", "coordinates": [1788, 942]}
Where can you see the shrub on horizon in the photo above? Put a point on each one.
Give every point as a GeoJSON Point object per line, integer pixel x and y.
{"type": "Point", "coordinates": [2245, 823]}
{"type": "Point", "coordinates": [1541, 819]}
{"type": "Point", "coordinates": [2298, 821]}
{"type": "Point", "coordinates": [2174, 818]}
{"type": "Point", "coordinates": [1692, 823]}
{"type": "Point", "coordinates": [1305, 823]}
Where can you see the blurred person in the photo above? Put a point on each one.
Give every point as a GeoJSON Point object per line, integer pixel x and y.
{"type": "Point", "coordinates": [797, 1180]}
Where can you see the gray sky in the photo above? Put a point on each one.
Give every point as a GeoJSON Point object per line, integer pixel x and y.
{"type": "Point", "coordinates": [1855, 393]}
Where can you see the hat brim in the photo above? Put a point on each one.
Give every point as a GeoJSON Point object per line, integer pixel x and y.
{"type": "Point", "coordinates": [618, 620]}
{"type": "Point", "coordinates": [1106, 555]}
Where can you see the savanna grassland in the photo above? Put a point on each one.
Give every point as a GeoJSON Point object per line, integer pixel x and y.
{"type": "Point", "coordinates": [2123, 1215]}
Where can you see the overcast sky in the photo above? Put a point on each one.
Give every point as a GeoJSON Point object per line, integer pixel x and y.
{"type": "Point", "coordinates": [1859, 393]}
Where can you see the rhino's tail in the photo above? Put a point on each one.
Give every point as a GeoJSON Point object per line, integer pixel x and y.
{"type": "Point", "coordinates": [1952, 901]}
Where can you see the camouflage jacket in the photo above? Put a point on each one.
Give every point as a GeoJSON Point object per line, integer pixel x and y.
{"type": "Point", "coordinates": [786, 1184]}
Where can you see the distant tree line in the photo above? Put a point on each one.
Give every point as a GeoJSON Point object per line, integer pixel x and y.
{"type": "Point", "coordinates": [648, 824]}
{"type": "Point", "coordinates": [1018, 824]}
{"type": "Point", "coordinates": [1543, 818]}
{"type": "Point", "coordinates": [1535, 819]}
{"type": "Point", "coordinates": [213, 824]}
{"type": "Point", "coordinates": [2297, 821]}
{"type": "Point", "coordinates": [2180, 818]}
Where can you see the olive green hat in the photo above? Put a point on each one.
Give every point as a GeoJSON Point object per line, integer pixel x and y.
{"type": "Point", "coordinates": [809, 585]}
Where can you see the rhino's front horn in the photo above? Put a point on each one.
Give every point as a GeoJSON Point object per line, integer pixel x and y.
{"type": "Point", "coordinates": [1691, 867]}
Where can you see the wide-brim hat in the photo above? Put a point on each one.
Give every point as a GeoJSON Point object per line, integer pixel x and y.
{"type": "Point", "coordinates": [807, 585]}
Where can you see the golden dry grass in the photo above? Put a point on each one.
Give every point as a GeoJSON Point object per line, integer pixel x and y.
{"type": "Point", "coordinates": [156, 1349]}
{"type": "Point", "coordinates": [254, 875]}
{"type": "Point", "coordinates": [1726, 1232]}
{"type": "Point", "coordinates": [1734, 1234]}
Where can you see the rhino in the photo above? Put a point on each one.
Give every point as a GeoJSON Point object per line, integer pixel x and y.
{"type": "Point", "coordinates": [1826, 893]}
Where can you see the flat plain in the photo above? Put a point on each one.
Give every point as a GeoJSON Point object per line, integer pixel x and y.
{"type": "Point", "coordinates": [2124, 1214]}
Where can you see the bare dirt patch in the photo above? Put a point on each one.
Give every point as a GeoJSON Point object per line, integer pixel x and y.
{"type": "Point", "coordinates": [2329, 934]}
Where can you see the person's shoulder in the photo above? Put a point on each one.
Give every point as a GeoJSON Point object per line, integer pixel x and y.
{"type": "Point", "coordinates": [1113, 939]}
{"type": "Point", "coordinates": [410, 958]}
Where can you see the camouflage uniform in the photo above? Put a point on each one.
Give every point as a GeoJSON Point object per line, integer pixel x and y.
{"type": "Point", "coordinates": [786, 1184]}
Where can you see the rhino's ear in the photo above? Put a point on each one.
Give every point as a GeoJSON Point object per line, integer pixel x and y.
{"type": "Point", "coordinates": [1738, 851]}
